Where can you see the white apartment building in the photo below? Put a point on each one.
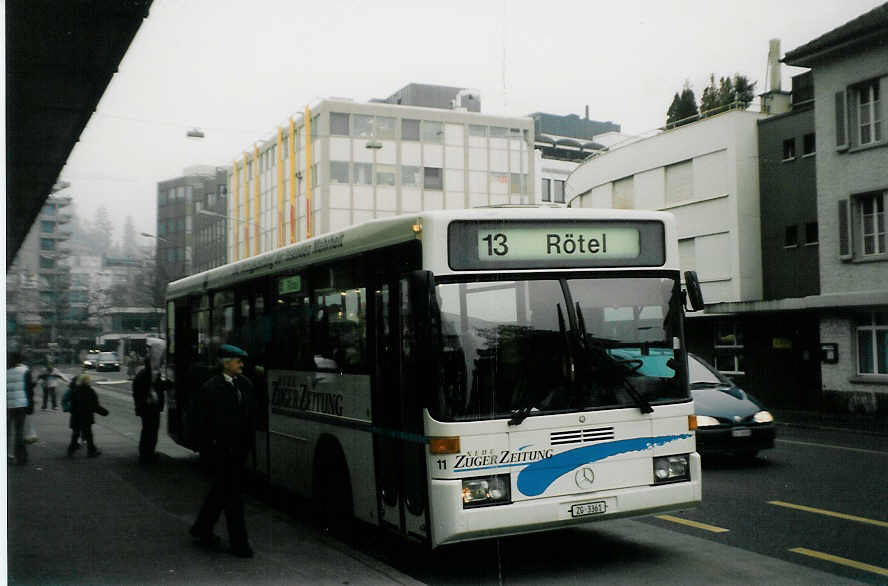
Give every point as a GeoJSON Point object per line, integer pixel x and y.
{"type": "Point", "coordinates": [706, 173]}
{"type": "Point", "coordinates": [344, 162]}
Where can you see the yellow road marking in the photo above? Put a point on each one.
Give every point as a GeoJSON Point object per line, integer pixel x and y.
{"type": "Point", "coordinates": [693, 524]}
{"type": "Point", "coordinates": [829, 513]}
{"type": "Point", "coordinates": [840, 560]}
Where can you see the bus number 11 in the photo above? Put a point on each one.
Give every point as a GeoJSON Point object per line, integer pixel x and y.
{"type": "Point", "coordinates": [496, 244]}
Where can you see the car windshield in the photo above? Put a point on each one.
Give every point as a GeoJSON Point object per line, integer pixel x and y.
{"type": "Point", "coordinates": [699, 374]}
{"type": "Point", "coordinates": [557, 345]}
{"type": "Point", "coordinates": [107, 356]}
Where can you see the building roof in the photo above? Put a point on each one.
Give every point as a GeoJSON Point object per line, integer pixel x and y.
{"type": "Point", "coordinates": [60, 57]}
{"type": "Point", "coordinates": [866, 29]}
{"type": "Point", "coordinates": [570, 126]}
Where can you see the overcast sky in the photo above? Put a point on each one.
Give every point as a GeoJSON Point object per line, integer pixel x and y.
{"type": "Point", "coordinates": [239, 68]}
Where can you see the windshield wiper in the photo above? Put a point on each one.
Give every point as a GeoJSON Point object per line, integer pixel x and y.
{"type": "Point", "coordinates": [519, 415]}
{"type": "Point", "coordinates": [611, 364]}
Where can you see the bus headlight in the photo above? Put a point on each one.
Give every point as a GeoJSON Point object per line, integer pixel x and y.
{"type": "Point", "coordinates": [486, 490]}
{"type": "Point", "coordinates": [671, 469]}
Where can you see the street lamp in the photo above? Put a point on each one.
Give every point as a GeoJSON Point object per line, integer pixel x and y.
{"type": "Point", "coordinates": [161, 238]}
{"type": "Point", "coordinates": [218, 215]}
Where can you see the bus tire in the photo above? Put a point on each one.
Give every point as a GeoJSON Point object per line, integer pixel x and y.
{"type": "Point", "coordinates": [332, 492]}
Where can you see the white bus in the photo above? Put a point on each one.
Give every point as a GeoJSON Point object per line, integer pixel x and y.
{"type": "Point", "coordinates": [460, 375]}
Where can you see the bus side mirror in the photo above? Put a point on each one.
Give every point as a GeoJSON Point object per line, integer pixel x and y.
{"type": "Point", "coordinates": [692, 290]}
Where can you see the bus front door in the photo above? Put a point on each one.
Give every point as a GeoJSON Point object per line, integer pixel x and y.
{"type": "Point", "coordinates": [399, 449]}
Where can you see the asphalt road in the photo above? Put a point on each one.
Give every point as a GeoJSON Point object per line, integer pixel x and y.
{"type": "Point", "coordinates": [811, 511]}
{"type": "Point", "coordinates": [817, 499]}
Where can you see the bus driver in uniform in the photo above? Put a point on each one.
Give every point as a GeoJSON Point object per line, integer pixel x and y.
{"type": "Point", "coordinates": [226, 416]}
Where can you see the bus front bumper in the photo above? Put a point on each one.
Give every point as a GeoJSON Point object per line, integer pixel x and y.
{"type": "Point", "coordinates": [452, 524]}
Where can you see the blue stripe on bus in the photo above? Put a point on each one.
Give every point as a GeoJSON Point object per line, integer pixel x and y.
{"type": "Point", "coordinates": [537, 477]}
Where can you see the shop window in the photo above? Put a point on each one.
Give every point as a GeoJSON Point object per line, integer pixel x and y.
{"type": "Point", "coordinates": [729, 348]}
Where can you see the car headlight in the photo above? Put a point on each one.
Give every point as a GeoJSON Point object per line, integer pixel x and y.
{"type": "Point", "coordinates": [706, 421]}
{"type": "Point", "coordinates": [486, 490]}
{"type": "Point", "coordinates": [672, 468]}
{"type": "Point", "coordinates": [763, 417]}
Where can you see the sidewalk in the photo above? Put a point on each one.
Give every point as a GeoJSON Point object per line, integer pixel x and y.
{"type": "Point", "coordinates": [107, 520]}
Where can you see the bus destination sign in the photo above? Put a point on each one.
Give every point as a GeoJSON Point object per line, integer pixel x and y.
{"type": "Point", "coordinates": [542, 243]}
{"type": "Point", "coordinates": [531, 244]}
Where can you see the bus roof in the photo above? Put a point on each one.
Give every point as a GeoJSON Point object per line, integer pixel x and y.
{"type": "Point", "coordinates": [384, 232]}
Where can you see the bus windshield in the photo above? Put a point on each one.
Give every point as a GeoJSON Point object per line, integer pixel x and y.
{"type": "Point", "coordinates": [528, 347]}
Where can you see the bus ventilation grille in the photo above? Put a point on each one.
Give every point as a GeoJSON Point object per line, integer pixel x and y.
{"type": "Point", "coordinates": [579, 436]}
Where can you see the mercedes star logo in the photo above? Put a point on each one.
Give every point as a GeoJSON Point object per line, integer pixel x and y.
{"type": "Point", "coordinates": [584, 477]}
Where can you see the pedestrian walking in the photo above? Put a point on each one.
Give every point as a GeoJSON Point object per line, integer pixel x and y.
{"type": "Point", "coordinates": [132, 364]}
{"type": "Point", "coordinates": [50, 378]}
{"type": "Point", "coordinates": [82, 401]}
{"type": "Point", "coordinates": [225, 416]}
{"type": "Point", "coordinates": [148, 396]}
{"type": "Point", "coordinates": [19, 400]}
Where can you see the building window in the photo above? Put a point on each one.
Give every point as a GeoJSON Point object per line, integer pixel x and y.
{"type": "Point", "coordinates": [498, 132]}
{"type": "Point", "coordinates": [558, 191]}
{"type": "Point", "coordinates": [47, 226]}
{"type": "Point", "coordinates": [789, 151]}
{"type": "Point", "coordinates": [411, 175]}
{"type": "Point", "coordinates": [872, 221]}
{"type": "Point", "coordinates": [729, 348]}
{"type": "Point", "coordinates": [385, 174]}
{"type": "Point", "coordinates": [339, 172]}
{"type": "Point", "coordinates": [868, 116]}
{"type": "Point", "coordinates": [516, 184]}
{"type": "Point", "coordinates": [432, 132]}
{"type": "Point", "coordinates": [409, 129]}
{"type": "Point", "coordinates": [872, 342]}
{"type": "Point", "coordinates": [363, 173]}
{"type": "Point", "coordinates": [498, 183]}
{"type": "Point", "coordinates": [47, 263]}
{"type": "Point", "coordinates": [362, 126]}
{"type": "Point", "coordinates": [47, 244]}
{"type": "Point", "coordinates": [791, 237]}
{"type": "Point", "coordinates": [546, 190]}
{"type": "Point", "coordinates": [433, 178]}
{"type": "Point", "coordinates": [338, 124]}
{"type": "Point", "coordinates": [811, 233]}
{"type": "Point", "coordinates": [385, 127]}
{"type": "Point", "coordinates": [809, 144]}
{"type": "Point", "coordinates": [477, 130]}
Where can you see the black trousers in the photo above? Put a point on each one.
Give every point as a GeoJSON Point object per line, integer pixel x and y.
{"type": "Point", "coordinates": [84, 432]}
{"type": "Point", "coordinates": [47, 393]}
{"type": "Point", "coordinates": [15, 423]}
{"type": "Point", "coordinates": [148, 438]}
{"type": "Point", "coordinates": [225, 495]}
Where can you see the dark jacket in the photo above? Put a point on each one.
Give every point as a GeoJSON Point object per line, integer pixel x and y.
{"type": "Point", "coordinates": [224, 423]}
{"type": "Point", "coordinates": [148, 395]}
{"type": "Point", "coordinates": [84, 402]}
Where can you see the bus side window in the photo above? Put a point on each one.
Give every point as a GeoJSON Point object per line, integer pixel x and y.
{"type": "Point", "coordinates": [291, 334]}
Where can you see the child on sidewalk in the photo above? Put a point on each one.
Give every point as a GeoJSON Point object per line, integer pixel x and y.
{"type": "Point", "coordinates": [82, 401]}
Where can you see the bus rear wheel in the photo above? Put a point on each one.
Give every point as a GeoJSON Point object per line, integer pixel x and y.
{"type": "Point", "coordinates": [332, 495]}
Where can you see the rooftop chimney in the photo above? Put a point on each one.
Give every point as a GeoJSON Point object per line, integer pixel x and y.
{"type": "Point", "coordinates": [774, 65]}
